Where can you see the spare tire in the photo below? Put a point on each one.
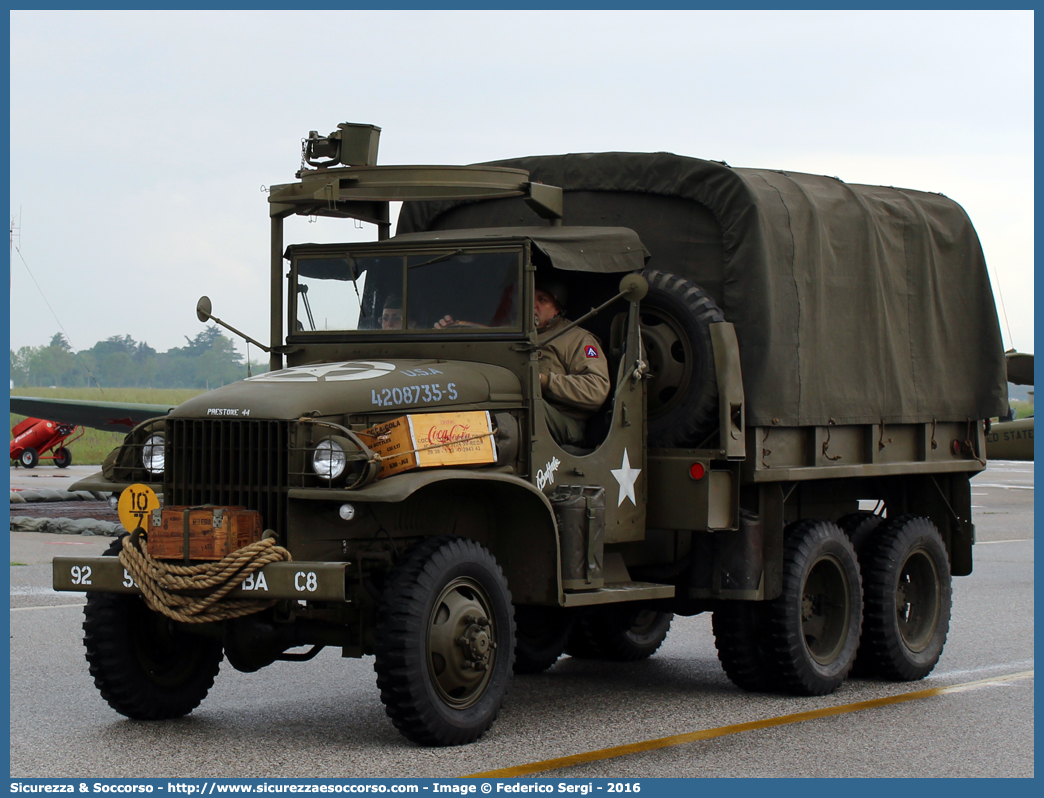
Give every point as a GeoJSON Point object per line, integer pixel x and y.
{"type": "Point", "coordinates": [682, 403]}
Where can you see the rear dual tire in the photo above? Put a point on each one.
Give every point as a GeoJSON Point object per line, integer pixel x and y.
{"type": "Point", "coordinates": [908, 595]}
{"type": "Point", "coordinates": [814, 625]}
{"type": "Point", "coordinates": [741, 640]}
{"type": "Point", "coordinates": [805, 641]}
{"type": "Point", "coordinates": [906, 604]}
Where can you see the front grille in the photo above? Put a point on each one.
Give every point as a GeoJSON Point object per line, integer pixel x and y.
{"type": "Point", "coordinates": [229, 462]}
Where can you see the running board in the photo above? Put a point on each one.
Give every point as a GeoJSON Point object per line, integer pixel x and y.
{"type": "Point", "coordinates": [618, 591]}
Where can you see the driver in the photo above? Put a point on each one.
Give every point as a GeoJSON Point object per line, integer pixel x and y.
{"type": "Point", "coordinates": [391, 315]}
{"type": "Point", "coordinates": [574, 375]}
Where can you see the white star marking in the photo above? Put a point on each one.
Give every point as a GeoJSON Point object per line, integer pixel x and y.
{"type": "Point", "coordinates": [328, 372]}
{"type": "Point", "coordinates": [626, 476]}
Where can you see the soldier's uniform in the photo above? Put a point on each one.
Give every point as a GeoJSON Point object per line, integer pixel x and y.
{"type": "Point", "coordinates": [578, 380]}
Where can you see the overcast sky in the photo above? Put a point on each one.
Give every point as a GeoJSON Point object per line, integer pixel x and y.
{"type": "Point", "coordinates": [140, 141]}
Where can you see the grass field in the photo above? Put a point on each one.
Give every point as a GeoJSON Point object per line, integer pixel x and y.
{"type": "Point", "coordinates": [1022, 409]}
{"type": "Point", "coordinates": [92, 448]}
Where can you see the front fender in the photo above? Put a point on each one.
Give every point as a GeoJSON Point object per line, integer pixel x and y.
{"type": "Point", "coordinates": [401, 486]}
{"type": "Point", "coordinates": [520, 532]}
{"type": "Point", "coordinates": [99, 484]}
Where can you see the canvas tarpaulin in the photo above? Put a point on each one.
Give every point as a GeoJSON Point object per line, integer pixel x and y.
{"type": "Point", "coordinates": [852, 304]}
{"type": "Point", "coordinates": [582, 249]}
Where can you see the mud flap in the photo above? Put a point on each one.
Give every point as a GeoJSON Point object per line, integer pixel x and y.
{"type": "Point", "coordinates": [729, 564]}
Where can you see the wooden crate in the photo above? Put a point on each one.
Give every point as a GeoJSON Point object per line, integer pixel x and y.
{"type": "Point", "coordinates": [426, 440]}
{"type": "Point", "coordinates": [392, 441]}
{"type": "Point", "coordinates": [213, 532]}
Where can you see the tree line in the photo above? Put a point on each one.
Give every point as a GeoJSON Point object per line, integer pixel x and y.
{"type": "Point", "coordinates": [206, 361]}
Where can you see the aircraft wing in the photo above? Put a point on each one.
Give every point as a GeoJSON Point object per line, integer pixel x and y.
{"type": "Point", "coordinates": [108, 416]}
{"type": "Point", "coordinates": [1020, 368]}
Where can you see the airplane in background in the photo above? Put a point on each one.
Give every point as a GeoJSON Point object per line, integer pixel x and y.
{"type": "Point", "coordinates": [107, 416]}
{"type": "Point", "coordinates": [1012, 439]}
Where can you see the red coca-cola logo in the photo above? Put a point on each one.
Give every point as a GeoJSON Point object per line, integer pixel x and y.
{"type": "Point", "coordinates": [442, 435]}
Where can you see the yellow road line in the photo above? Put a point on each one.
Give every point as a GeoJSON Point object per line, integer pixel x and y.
{"type": "Point", "coordinates": [722, 731]}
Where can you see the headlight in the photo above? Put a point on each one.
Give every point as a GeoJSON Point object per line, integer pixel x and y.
{"type": "Point", "coordinates": [329, 459]}
{"type": "Point", "coordinates": [153, 454]}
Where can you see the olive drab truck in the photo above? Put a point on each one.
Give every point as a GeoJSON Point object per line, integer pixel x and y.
{"type": "Point", "coordinates": [800, 369]}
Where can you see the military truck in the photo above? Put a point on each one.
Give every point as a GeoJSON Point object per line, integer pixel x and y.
{"type": "Point", "coordinates": [800, 369]}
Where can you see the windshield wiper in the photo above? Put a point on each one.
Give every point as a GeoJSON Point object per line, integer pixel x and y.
{"type": "Point", "coordinates": [303, 291]}
{"type": "Point", "coordinates": [355, 285]}
{"type": "Point", "coordinates": [437, 259]}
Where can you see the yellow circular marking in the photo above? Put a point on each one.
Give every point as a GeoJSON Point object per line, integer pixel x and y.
{"type": "Point", "coordinates": [136, 502]}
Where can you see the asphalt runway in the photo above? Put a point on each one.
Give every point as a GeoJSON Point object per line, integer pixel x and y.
{"type": "Point", "coordinates": [324, 718]}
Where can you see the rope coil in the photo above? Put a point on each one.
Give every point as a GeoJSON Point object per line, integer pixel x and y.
{"type": "Point", "coordinates": [160, 582]}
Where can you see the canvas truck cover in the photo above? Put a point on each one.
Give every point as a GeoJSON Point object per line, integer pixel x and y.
{"type": "Point", "coordinates": [852, 304]}
{"type": "Point", "coordinates": [581, 249]}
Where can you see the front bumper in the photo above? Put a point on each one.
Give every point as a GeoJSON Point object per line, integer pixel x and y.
{"type": "Point", "coordinates": [303, 581]}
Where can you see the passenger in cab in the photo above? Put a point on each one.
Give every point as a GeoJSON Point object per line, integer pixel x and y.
{"type": "Point", "coordinates": [574, 374]}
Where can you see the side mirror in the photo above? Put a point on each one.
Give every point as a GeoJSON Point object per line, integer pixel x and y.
{"type": "Point", "coordinates": [634, 287]}
{"type": "Point", "coordinates": [203, 308]}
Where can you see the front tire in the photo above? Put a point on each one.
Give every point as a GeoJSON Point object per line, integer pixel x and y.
{"type": "Point", "coordinates": [814, 624]}
{"type": "Point", "coordinates": [143, 665]}
{"type": "Point", "coordinates": [29, 458]}
{"type": "Point", "coordinates": [444, 642]}
{"type": "Point", "coordinates": [907, 586]}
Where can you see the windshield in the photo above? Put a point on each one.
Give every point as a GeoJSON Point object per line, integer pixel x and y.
{"type": "Point", "coordinates": [434, 291]}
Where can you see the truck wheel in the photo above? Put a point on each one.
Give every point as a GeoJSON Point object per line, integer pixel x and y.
{"type": "Point", "coordinates": [814, 624]}
{"type": "Point", "coordinates": [683, 392]}
{"type": "Point", "coordinates": [143, 665]}
{"type": "Point", "coordinates": [740, 637]}
{"type": "Point", "coordinates": [540, 637]}
{"type": "Point", "coordinates": [63, 458]}
{"type": "Point", "coordinates": [444, 642]}
{"type": "Point", "coordinates": [859, 527]}
{"type": "Point", "coordinates": [623, 633]}
{"type": "Point", "coordinates": [907, 588]}
{"type": "Point", "coordinates": [29, 458]}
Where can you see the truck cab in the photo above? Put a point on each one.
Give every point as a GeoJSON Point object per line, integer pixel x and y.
{"type": "Point", "coordinates": [364, 350]}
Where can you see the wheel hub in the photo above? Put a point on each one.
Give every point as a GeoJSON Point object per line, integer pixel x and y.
{"type": "Point", "coordinates": [808, 603]}
{"type": "Point", "coordinates": [825, 610]}
{"type": "Point", "coordinates": [461, 643]}
{"type": "Point", "coordinates": [917, 600]}
{"type": "Point", "coordinates": [902, 606]}
{"type": "Point", "coordinates": [475, 643]}
{"type": "Point", "coordinates": [669, 361]}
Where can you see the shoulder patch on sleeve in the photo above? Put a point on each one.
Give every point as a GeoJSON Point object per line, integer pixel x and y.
{"type": "Point", "coordinates": [591, 351]}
